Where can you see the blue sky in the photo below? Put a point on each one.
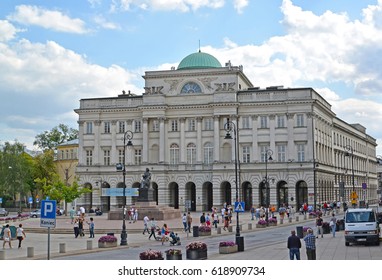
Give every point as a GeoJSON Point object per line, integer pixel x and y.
{"type": "Point", "coordinates": [53, 53]}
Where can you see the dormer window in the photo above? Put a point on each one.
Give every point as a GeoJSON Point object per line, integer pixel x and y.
{"type": "Point", "coordinates": [191, 87]}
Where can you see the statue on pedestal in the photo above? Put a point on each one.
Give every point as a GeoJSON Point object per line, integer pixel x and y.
{"type": "Point", "coordinates": [146, 179]}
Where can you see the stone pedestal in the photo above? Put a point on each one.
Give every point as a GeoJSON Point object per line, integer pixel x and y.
{"type": "Point", "coordinates": [146, 195]}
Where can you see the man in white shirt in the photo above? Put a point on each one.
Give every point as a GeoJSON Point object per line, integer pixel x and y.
{"type": "Point", "coordinates": [146, 225]}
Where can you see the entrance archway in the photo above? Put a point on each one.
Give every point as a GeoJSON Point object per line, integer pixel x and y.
{"type": "Point", "coordinates": [226, 192]}
{"type": "Point", "coordinates": [88, 198]}
{"type": "Point", "coordinates": [155, 187]}
{"type": "Point", "coordinates": [282, 194]}
{"type": "Point", "coordinates": [207, 196]}
{"type": "Point", "coordinates": [247, 194]}
{"type": "Point", "coordinates": [264, 195]}
{"type": "Point", "coordinates": [174, 195]}
{"type": "Point", "coordinates": [105, 200]}
{"type": "Point", "coordinates": [191, 195]}
{"type": "Point", "coordinates": [301, 194]}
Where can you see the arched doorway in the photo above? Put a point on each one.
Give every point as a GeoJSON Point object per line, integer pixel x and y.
{"type": "Point", "coordinates": [282, 194]}
{"type": "Point", "coordinates": [191, 194]}
{"type": "Point", "coordinates": [105, 200]}
{"type": "Point", "coordinates": [226, 192]}
{"type": "Point", "coordinates": [264, 194]}
{"type": "Point", "coordinates": [88, 197]}
{"type": "Point", "coordinates": [301, 194]}
{"type": "Point", "coordinates": [247, 194]}
{"type": "Point", "coordinates": [207, 196]}
{"type": "Point", "coordinates": [174, 195]}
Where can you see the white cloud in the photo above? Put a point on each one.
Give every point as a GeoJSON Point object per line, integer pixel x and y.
{"type": "Point", "coordinates": [101, 21]}
{"type": "Point", "coordinates": [240, 5]}
{"type": "Point", "coordinates": [169, 5]}
{"type": "Point", "coordinates": [55, 20]}
{"type": "Point", "coordinates": [7, 31]}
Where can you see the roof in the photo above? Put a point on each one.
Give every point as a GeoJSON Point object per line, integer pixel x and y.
{"type": "Point", "coordinates": [199, 60]}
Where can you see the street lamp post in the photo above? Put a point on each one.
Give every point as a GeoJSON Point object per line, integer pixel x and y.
{"type": "Point", "coordinates": [268, 156]}
{"type": "Point", "coordinates": [127, 136]}
{"type": "Point", "coordinates": [350, 152]}
{"type": "Point", "coordinates": [231, 127]}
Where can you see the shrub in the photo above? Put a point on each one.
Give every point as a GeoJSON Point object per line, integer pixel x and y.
{"type": "Point", "coordinates": [173, 252]}
{"type": "Point", "coordinates": [151, 255]}
{"type": "Point", "coordinates": [272, 220]}
{"type": "Point", "coordinates": [107, 238]}
{"type": "Point", "coordinates": [196, 246]}
{"type": "Point", "coordinates": [204, 229]}
{"type": "Point", "coordinates": [227, 244]}
{"type": "Point", "coordinates": [262, 222]}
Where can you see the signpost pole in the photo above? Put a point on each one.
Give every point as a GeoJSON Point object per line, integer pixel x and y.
{"type": "Point", "coordinates": [48, 243]}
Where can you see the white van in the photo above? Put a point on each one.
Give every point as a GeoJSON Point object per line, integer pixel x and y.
{"type": "Point", "coordinates": [361, 226]}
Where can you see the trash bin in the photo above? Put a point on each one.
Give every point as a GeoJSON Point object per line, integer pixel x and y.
{"type": "Point", "coordinates": [195, 231]}
{"type": "Point", "coordinates": [299, 231]}
{"type": "Point", "coordinates": [240, 243]}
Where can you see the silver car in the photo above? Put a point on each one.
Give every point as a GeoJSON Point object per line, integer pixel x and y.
{"type": "Point", "coordinates": [36, 213]}
{"type": "Point", "coordinates": [3, 212]}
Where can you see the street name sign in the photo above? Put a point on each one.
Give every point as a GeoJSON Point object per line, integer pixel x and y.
{"type": "Point", "coordinates": [119, 192]}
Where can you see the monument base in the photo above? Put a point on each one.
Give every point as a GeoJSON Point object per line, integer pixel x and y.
{"type": "Point", "coordinates": [146, 194]}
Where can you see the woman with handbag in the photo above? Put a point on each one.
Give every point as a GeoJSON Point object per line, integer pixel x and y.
{"type": "Point", "coordinates": [332, 224]}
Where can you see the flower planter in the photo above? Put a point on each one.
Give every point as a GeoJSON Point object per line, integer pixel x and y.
{"type": "Point", "coordinates": [260, 226]}
{"type": "Point", "coordinates": [174, 257]}
{"type": "Point", "coordinates": [228, 249]}
{"type": "Point", "coordinates": [204, 233]}
{"type": "Point", "coordinates": [272, 224]}
{"type": "Point", "coordinates": [107, 244]}
{"type": "Point", "coordinates": [196, 254]}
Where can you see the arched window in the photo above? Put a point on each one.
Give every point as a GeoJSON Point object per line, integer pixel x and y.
{"type": "Point", "coordinates": [191, 87]}
{"type": "Point", "coordinates": [174, 154]}
{"type": "Point", "coordinates": [191, 153]}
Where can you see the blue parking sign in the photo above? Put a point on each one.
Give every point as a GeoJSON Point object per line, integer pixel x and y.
{"type": "Point", "coordinates": [48, 213]}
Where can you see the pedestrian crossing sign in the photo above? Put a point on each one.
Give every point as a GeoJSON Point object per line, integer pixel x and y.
{"type": "Point", "coordinates": [239, 206]}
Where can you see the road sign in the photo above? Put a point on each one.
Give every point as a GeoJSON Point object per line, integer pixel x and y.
{"type": "Point", "coordinates": [48, 213]}
{"type": "Point", "coordinates": [239, 206]}
{"type": "Point", "coordinates": [119, 192]}
{"type": "Point", "coordinates": [364, 186]}
{"type": "Point", "coordinates": [1, 200]}
{"type": "Point", "coordinates": [30, 200]}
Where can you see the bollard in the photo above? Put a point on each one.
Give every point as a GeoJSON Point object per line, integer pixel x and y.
{"type": "Point", "coordinates": [2, 255]}
{"type": "Point", "coordinates": [62, 248]}
{"type": "Point", "coordinates": [249, 226]}
{"type": "Point", "coordinates": [290, 220]}
{"type": "Point", "coordinates": [297, 218]}
{"type": "Point", "coordinates": [219, 230]}
{"type": "Point", "coordinates": [30, 252]}
{"type": "Point", "coordinates": [230, 228]}
{"type": "Point", "coordinates": [89, 244]}
{"type": "Point", "coordinates": [281, 221]}
{"type": "Point", "coordinates": [304, 217]}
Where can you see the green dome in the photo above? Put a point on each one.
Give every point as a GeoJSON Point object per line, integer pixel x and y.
{"type": "Point", "coordinates": [199, 60]}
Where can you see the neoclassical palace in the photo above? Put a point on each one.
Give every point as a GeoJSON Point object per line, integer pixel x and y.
{"type": "Point", "coordinates": [286, 147]}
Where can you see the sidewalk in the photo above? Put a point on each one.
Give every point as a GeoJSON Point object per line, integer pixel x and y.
{"type": "Point", "coordinates": [64, 243]}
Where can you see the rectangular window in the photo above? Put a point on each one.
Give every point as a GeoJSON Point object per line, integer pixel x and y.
{"type": "Point", "coordinates": [300, 152]}
{"type": "Point", "coordinates": [137, 126]}
{"type": "Point", "coordinates": [245, 122]}
{"type": "Point", "coordinates": [120, 156]}
{"type": "Point", "coordinates": [174, 154]}
{"type": "Point", "coordinates": [106, 157]}
{"type": "Point", "coordinates": [174, 125]}
{"type": "Point", "coordinates": [280, 121]}
{"type": "Point", "coordinates": [89, 127]}
{"type": "Point", "coordinates": [72, 154]}
{"type": "Point", "coordinates": [246, 154]}
{"type": "Point", "coordinates": [263, 122]}
{"type": "Point", "coordinates": [208, 124]}
{"type": "Point", "coordinates": [106, 127]}
{"type": "Point", "coordinates": [89, 157]}
{"type": "Point", "coordinates": [121, 127]}
{"type": "Point", "coordinates": [138, 157]}
{"type": "Point", "coordinates": [191, 154]}
{"type": "Point", "coordinates": [208, 153]}
{"type": "Point", "coordinates": [191, 125]}
{"type": "Point", "coordinates": [281, 153]}
{"type": "Point", "coordinates": [300, 120]}
{"type": "Point", "coordinates": [155, 124]}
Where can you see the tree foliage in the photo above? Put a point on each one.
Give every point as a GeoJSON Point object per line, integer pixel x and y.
{"type": "Point", "coordinates": [58, 135]}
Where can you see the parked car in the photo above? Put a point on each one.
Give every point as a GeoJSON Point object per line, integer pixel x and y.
{"type": "Point", "coordinates": [3, 212]}
{"type": "Point", "coordinates": [36, 213]}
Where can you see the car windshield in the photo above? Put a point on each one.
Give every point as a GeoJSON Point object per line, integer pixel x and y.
{"type": "Point", "coordinates": [360, 217]}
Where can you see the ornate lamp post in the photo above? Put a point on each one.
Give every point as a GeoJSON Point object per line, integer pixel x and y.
{"type": "Point", "coordinates": [268, 156]}
{"type": "Point", "coordinates": [229, 127]}
{"type": "Point", "coordinates": [121, 167]}
{"type": "Point", "coordinates": [350, 152]}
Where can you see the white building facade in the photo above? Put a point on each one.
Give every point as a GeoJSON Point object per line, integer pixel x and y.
{"type": "Point", "coordinates": [288, 139]}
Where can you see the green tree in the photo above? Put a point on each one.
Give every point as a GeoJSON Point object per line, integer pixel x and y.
{"type": "Point", "coordinates": [58, 135]}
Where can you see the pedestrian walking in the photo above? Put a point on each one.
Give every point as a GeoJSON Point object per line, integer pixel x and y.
{"type": "Point", "coordinates": [189, 221]}
{"type": "Point", "coordinates": [226, 220]}
{"type": "Point", "coordinates": [72, 212]}
{"type": "Point", "coordinates": [252, 213]}
{"type": "Point", "coordinates": [164, 232]}
{"type": "Point", "coordinates": [91, 227]}
{"type": "Point", "coordinates": [332, 224]}
{"type": "Point", "coordinates": [310, 244]}
{"type": "Point", "coordinates": [184, 221]}
{"type": "Point", "coordinates": [135, 217]}
{"type": "Point", "coordinates": [146, 221]}
{"type": "Point", "coordinates": [20, 234]}
{"type": "Point", "coordinates": [319, 222]}
{"type": "Point", "coordinates": [7, 237]}
{"type": "Point", "coordinates": [216, 220]}
{"type": "Point", "coordinates": [81, 226]}
{"type": "Point", "coordinates": [294, 245]}
{"type": "Point", "coordinates": [202, 219]}
{"type": "Point", "coordinates": [153, 227]}
{"type": "Point", "coordinates": [76, 228]}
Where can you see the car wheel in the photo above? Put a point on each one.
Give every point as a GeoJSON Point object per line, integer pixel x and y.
{"type": "Point", "coordinates": [347, 244]}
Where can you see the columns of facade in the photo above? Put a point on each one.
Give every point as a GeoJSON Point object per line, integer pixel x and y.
{"type": "Point", "coordinates": [312, 152]}
{"type": "Point", "coordinates": [96, 150]}
{"type": "Point", "coordinates": [291, 147]}
{"type": "Point", "coordinates": [162, 140]}
{"type": "Point", "coordinates": [255, 147]}
{"type": "Point", "coordinates": [80, 152]}
{"type": "Point", "coordinates": [216, 139]}
{"type": "Point", "coordinates": [113, 152]}
{"type": "Point", "coordinates": [199, 143]}
{"type": "Point", "coordinates": [145, 141]}
{"type": "Point", "coordinates": [182, 147]}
